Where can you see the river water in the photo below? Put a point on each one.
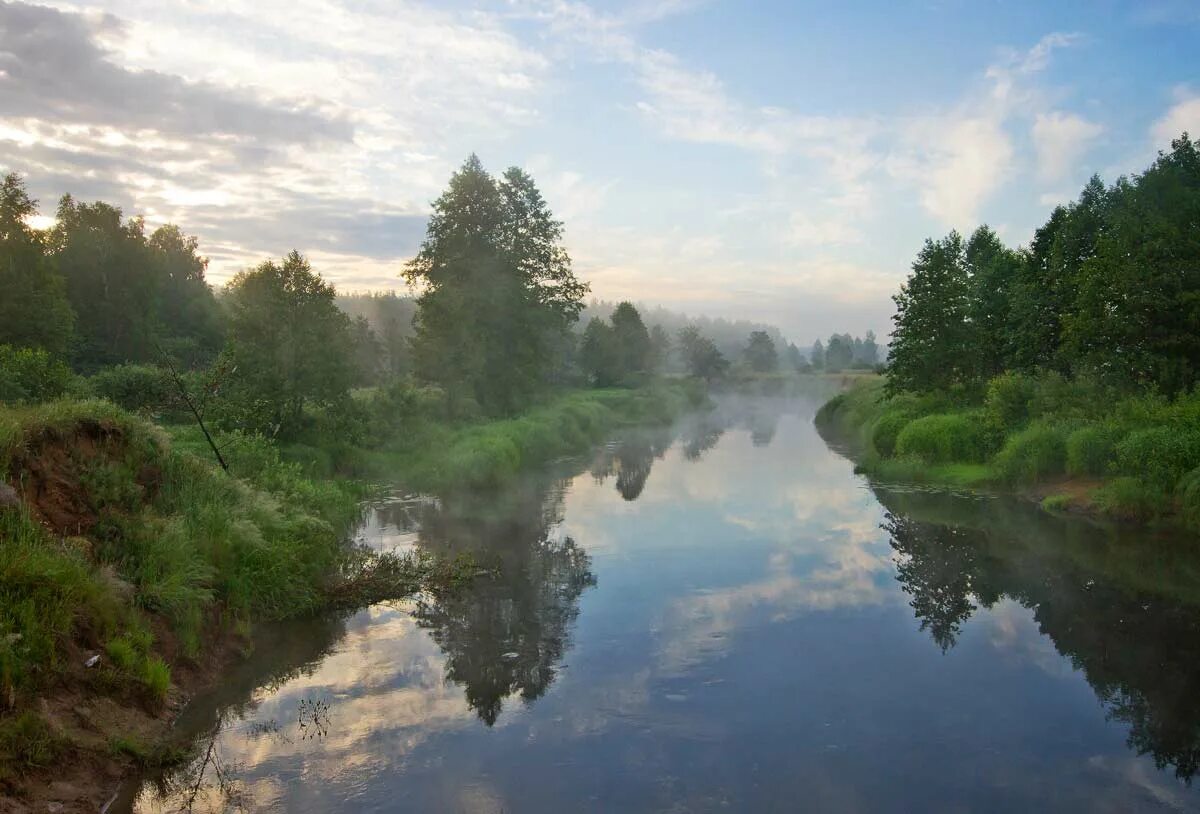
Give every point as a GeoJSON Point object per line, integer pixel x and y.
{"type": "Point", "coordinates": [723, 616]}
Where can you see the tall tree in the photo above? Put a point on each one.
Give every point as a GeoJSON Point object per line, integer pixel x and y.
{"type": "Point", "coordinates": [34, 310]}
{"type": "Point", "coordinates": [598, 354]}
{"type": "Point", "coordinates": [817, 355]}
{"type": "Point", "coordinates": [632, 340]}
{"type": "Point", "coordinates": [289, 345]}
{"type": "Point", "coordinates": [993, 269]}
{"type": "Point", "coordinates": [701, 355]}
{"type": "Point", "coordinates": [931, 347]}
{"type": "Point", "coordinates": [497, 288]}
{"type": "Point", "coordinates": [760, 353]}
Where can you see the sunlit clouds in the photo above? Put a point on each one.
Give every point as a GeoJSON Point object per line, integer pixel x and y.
{"type": "Point", "coordinates": [787, 194]}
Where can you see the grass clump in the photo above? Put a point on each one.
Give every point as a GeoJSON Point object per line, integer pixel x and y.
{"type": "Point", "coordinates": [943, 438]}
{"type": "Point", "coordinates": [156, 678]}
{"type": "Point", "coordinates": [1033, 454]}
{"type": "Point", "coordinates": [1133, 499]}
{"type": "Point", "coordinates": [1056, 503]}
{"type": "Point", "coordinates": [27, 742]}
{"type": "Point", "coordinates": [1091, 450]}
{"type": "Point", "coordinates": [886, 430]}
{"type": "Point", "coordinates": [1162, 455]}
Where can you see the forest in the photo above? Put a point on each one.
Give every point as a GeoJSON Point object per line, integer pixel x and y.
{"type": "Point", "coordinates": [1068, 367]}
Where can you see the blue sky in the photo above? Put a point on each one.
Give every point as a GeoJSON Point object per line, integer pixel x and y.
{"type": "Point", "coordinates": [772, 160]}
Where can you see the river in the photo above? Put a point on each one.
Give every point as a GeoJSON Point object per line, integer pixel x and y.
{"type": "Point", "coordinates": [723, 616]}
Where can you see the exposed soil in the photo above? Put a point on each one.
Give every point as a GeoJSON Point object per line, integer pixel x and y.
{"type": "Point", "coordinates": [88, 708]}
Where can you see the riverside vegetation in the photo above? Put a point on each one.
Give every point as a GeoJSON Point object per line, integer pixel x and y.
{"type": "Point", "coordinates": [1070, 368]}
{"type": "Point", "coordinates": [179, 465]}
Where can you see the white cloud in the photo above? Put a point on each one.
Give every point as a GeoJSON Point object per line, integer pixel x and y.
{"type": "Point", "coordinates": [1183, 115]}
{"type": "Point", "coordinates": [1060, 140]}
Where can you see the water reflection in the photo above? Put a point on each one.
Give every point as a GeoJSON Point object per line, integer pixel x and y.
{"type": "Point", "coordinates": [508, 634]}
{"type": "Point", "coordinates": [722, 617]}
{"type": "Point", "coordinates": [1122, 608]}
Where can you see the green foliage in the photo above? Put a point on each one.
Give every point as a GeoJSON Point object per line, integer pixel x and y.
{"type": "Point", "coordinates": [498, 291]}
{"type": "Point", "coordinates": [1008, 400]}
{"type": "Point", "coordinates": [289, 345]}
{"type": "Point", "coordinates": [141, 388]}
{"type": "Point", "coordinates": [1091, 450]}
{"type": "Point", "coordinates": [1035, 453]}
{"type": "Point", "coordinates": [701, 356]}
{"type": "Point", "coordinates": [932, 344]}
{"type": "Point", "coordinates": [27, 742]}
{"type": "Point", "coordinates": [156, 677]}
{"type": "Point", "coordinates": [34, 310]}
{"type": "Point", "coordinates": [760, 353]}
{"type": "Point", "coordinates": [942, 438]}
{"type": "Point", "coordinates": [1133, 499]}
{"type": "Point", "coordinates": [887, 429]}
{"type": "Point", "coordinates": [31, 375]}
{"type": "Point", "coordinates": [619, 352]}
{"type": "Point", "coordinates": [122, 653]}
{"type": "Point", "coordinates": [1056, 503]}
{"type": "Point", "coordinates": [1188, 495]}
{"type": "Point", "coordinates": [1160, 455]}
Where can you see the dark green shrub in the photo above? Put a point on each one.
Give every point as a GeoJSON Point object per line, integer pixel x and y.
{"type": "Point", "coordinates": [1133, 499]}
{"type": "Point", "coordinates": [1035, 453]}
{"type": "Point", "coordinates": [1091, 450]}
{"type": "Point", "coordinates": [886, 430]}
{"type": "Point", "coordinates": [1161, 455]}
{"type": "Point", "coordinates": [142, 388]}
{"type": "Point", "coordinates": [943, 438]}
{"type": "Point", "coordinates": [31, 375]}
{"type": "Point", "coordinates": [1188, 493]}
{"type": "Point", "coordinates": [1007, 401]}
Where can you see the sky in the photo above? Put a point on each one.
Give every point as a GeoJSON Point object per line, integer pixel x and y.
{"type": "Point", "coordinates": [777, 161]}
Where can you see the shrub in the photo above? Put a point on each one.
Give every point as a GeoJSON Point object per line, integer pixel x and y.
{"type": "Point", "coordinates": [1007, 401]}
{"type": "Point", "coordinates": [1032, 454]}
{"type": "Point", "coordinates": [887, 429]}
{"type": "Point", "coordinates": [1091, 450]}
{"type": "Point", "coordinates": [943, 438]}
{"type": "Point", "coordinates": [1132, 498]}
{"type": "Point", "coordinates": [141, 388]}
{"type": "Point", "coordinates": [1056, 503]}
{"type": "Point", "coordinates": [31, 375]}
{"type": "Point", "coordinates": [1161, 455]}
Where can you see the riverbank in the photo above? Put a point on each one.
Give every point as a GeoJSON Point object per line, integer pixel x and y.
{"type": "Point", "coordinates": [1055, 442]}
{"type": "Point", "coordinates": [133, 569]}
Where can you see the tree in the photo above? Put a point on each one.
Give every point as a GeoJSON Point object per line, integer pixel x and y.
{"type": "Point", "coordinates": [760, 353]}
{"type": "Point", "coordinates": [289, 345]}
{"type": "Point", "coordinates": [1136, 319]}
{"type": "Point", "coordinates": [598, 354]}
{"type": "Point", "coordinates": [498, 288]}
{"type": "Point", "coordinates": [931, 344]}
{"type": "Point", "coordinates": [817, 356]}
{"type": "Point", "coordinates": [660, 348]}
{"type": "Point", "coordinates": [187, 315]}
{"type": "Point", "coordinates": [839, 353]}
{"type": "Point", "coordinates": [869, 351]}
{"type": "Point", "coordinates": [631, 341]}
{"type": "Point", "coordinates": [993, 270]}
{"type": "Point", "coordinates": [34, 310]}
{"type": "Point", "coordinates": [368, 352]}
{"type": "Point", "coordinates": [701, 356]}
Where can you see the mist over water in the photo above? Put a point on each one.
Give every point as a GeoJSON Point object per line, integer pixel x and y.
{"type": "Point", "coordinates": [722, 615]}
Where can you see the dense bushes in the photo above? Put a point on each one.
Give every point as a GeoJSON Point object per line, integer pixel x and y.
{"type": "Point", "coordinates": [141, 388]}
{"type": "Point", "coordinates": [943, 438]}
{"type": "Point", "coordinates": [29, 375]}
{"type": "Point", "coordinates": [1029, 428]}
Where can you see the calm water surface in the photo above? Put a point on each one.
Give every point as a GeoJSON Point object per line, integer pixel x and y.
{"type": "Point", "coordinates": [722, 616]}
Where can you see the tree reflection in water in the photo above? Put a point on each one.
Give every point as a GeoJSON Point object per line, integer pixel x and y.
{"type": "Point", "coordinates": [506, 635]}
{"type": "Point", "coordinates": [631, 458]}
{"type": "Point", "coordinates": [1134, 635]}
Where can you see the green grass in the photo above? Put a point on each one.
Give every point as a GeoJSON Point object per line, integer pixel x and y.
{"type": "Point", "coordinates": [1056, 503]}
{"type": "Point", "coordinates": [27, 742]}
{"type": "Point", "coordinates": [1028, 429]}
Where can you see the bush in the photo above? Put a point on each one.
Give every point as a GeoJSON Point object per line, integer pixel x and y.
{"type": "Point", "coordinates": [31, 375]}
{"type": "Point", "coordinates": [1008, 399]}
{"type": "Point", "coordinates": [887, 429]}
{"type": "Point", "coordinates": [1132, 498]}
{"type": "Point", "coordinates": [122, 654]}
{"type": "Point", "coordinates": [1033, 454]}
{"type": "Point", "coordinates": [1161, 455]}
{"type": "Point", "coordinates": [1188, 493]}
{"type": "Point", "coordinates": [943, 438]}
{"type": "Point", "coordinates": [1091, 450]}
{"type": "Point", "coordinates": [141, 388]}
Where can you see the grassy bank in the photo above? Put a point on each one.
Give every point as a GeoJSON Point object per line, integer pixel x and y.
{"type": "Point", "coordinates": [1070, 443]}
{"type": "Point", "coordinates": [123, 540]}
